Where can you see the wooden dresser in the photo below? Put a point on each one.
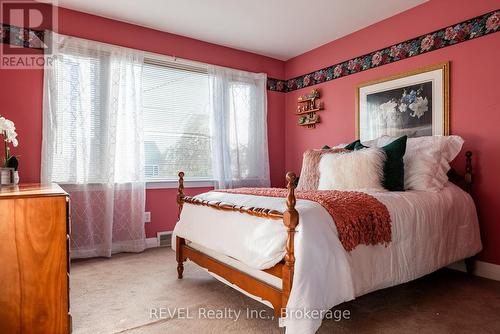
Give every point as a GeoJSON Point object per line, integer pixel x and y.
{"type": "Point", "coordinates": [34, 260]}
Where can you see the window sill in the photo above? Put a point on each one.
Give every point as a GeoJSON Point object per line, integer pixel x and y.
{"type": "Point", "coordinates": [170, 184]}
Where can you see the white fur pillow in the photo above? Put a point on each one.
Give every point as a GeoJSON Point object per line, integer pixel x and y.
{"type": "Point", "coordinates": [356, 170]}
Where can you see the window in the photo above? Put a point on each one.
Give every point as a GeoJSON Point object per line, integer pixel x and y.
{"type": "Point", "coordinates": [176, 121]}
{"type": "Point", "coordinates": [79, 109]}
{"type": "Point", "coordinates": [239, 134]}
{"type": "Point", "coordinates": [106, 105]}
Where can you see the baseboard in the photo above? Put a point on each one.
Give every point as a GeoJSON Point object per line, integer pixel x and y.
{"type": "Point", "coordinates": [483, 269]}
{"type": "Point", "coordinates": [488, 270]}
{"type": "Point", "coordinates": [151, 242]}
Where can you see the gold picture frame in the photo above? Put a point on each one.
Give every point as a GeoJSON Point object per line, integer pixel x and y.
{"type": "Point", "coordinates": [440, 71]}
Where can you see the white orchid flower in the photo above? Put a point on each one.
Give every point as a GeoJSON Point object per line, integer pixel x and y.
{"type": "Point", "coordinates": [8, 130]}
{"type": "Point", "coordinates": [6, 125]}
{"type": "Point", "coordinates": [3, 125]}
{"type": "Point", "coordinates": [10, 137]}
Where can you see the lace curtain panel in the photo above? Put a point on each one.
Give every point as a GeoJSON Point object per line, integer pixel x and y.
{"type": "Point", "coordinates": [238, 125]}
{"type": "Point", "coordinates": [93, 143]}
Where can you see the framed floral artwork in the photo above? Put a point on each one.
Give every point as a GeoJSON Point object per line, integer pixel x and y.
{"type": "Point", "coordinates": [413, 103]}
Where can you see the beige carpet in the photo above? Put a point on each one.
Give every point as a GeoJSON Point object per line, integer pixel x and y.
{"type": "Point", "coordinates": [116, 296]}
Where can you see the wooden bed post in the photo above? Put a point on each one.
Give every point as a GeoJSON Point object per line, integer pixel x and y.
{"type": "Point", "coordinates": [468, 171]}
{"type": "Point", "coordinates": [180, 242]}
{"type": "Point", "coordinates": [470, 263]}
{"type": "Point", "coordinates": [291, 220]}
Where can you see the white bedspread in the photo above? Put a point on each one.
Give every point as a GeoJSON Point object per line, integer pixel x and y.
{"type": "Point", "coordinates": [429, 230]}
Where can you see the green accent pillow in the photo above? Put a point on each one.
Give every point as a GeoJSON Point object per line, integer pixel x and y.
{"type": "Point", "coordinates": [394, 167]}
{"type": "Point", "coordinates": [352, 145]}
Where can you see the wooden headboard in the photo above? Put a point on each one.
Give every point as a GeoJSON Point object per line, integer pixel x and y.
{"type": "Point", "coordinates": [463, 181]}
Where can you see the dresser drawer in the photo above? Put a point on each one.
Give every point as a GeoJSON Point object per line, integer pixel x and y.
{"type": "Point", "coordinates": [35, 265]}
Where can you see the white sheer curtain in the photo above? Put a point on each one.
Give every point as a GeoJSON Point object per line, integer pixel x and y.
{"type": "Point", "coordinates": [238, 122]}
{"type": "Point", "coordinates": [93, 143]}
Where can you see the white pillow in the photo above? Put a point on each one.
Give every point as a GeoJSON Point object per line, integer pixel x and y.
{"type": "Point", "coordinates": [380, 141]}
{"type": "Point", "coordinates": [427, 160]}
{"type": "Point", "coordinates": [356, 170]}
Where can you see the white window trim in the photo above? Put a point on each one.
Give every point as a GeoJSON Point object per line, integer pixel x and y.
{"type": "Point", "coordinates": [174, 62]}
{"type": "Point", "coordinates": [170, 184]}
{"type": "Point", "coordinates": [160, 184]}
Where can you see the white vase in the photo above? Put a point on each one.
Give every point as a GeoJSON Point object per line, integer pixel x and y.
{"type": "Point", "coordinates": [15, 177]}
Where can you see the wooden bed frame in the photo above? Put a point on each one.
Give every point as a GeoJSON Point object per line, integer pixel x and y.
{"type": "Point", "coordinates": [285, 269]}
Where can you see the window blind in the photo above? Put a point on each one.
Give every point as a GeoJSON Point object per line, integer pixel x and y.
{"type": "Point", "coordinates": [176, 122]}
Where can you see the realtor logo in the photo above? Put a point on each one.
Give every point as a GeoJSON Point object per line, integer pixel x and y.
{"type": "Point", "coordinates": [24, 41]}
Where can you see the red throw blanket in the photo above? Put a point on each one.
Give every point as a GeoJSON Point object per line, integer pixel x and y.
{"type": "Point", "coordinates": [360, 218]}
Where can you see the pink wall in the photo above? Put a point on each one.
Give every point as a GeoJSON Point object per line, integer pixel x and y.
{"type": "Point", "coordinates": [474, 109]}
{"type": "Point", "coordinates": [21, 94]}
{"type": "Point", "coordinates": [474, 102]}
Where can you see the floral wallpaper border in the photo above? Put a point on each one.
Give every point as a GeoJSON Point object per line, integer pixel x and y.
{"type": "Point", "coordinates": [23, 37]}
{"type": "Point", "coordinates": [479, 26]}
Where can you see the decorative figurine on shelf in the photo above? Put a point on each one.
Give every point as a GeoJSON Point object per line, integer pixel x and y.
{"type": "Point", "coordinates": [313, 118]}
{"type": "Point", "coordinates": [9, 173]}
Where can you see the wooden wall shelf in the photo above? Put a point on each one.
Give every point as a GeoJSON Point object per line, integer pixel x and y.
{"type": "Point", "coordinates": [310, 124]}
{"type": "Point", "coordinates": [305, 99]}
{"type": "Point", "coordinates": [307, 107]}
{"type": "Point", "coordinates": [309, 111]}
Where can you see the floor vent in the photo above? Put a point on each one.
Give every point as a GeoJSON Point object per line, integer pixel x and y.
{"type": "Point", "coordinates": [164, 239]}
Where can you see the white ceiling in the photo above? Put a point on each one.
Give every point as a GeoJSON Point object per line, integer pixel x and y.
{"type": "Point", "coordinates": [280, 29]}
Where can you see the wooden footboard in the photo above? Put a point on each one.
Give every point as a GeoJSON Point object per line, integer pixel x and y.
{"type": "Point", "coordinates": [283, 270]}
